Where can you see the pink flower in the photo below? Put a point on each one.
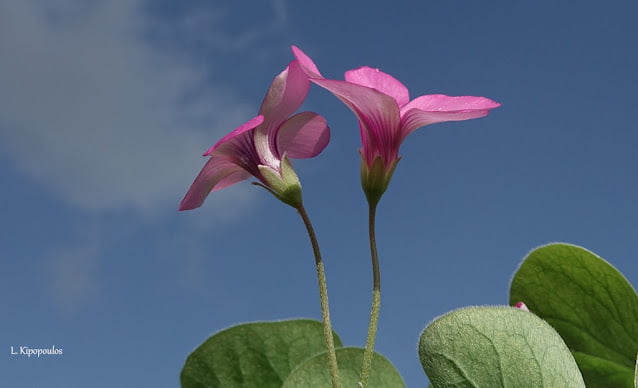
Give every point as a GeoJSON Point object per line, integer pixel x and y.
{"type": "Point", "coordinates": [261, 146]}
{"type": "Point", "coordinates": [387, 115]}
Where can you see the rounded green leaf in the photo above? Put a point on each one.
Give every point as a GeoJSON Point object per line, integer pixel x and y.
{"type": "Point", "coordinates": [313, 373]}
{"type": "Point", "coordinates": [496, 347]}
{"type": "Point", "coordinates": [253, 355]}
{"type": "Point", "coordinates": [591, 305]}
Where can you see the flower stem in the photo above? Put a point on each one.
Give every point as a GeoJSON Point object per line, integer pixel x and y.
{"type": "Point", "coordinates": [323, 296]}
{"type": "Point", "coordinates": [376, 297]}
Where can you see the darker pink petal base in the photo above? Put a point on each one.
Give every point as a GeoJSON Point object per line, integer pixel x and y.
{"type": "Point", "coordinates": [247, 126]}
{"type": "Point", "coordinates": [376, 110]}
{"type": "Point", "coordinates": [378, 116]}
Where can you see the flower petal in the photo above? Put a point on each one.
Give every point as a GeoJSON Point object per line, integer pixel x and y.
{"type": "Point", "coordinates": [378, 116]}
{"type": "Point", "coordinates": [437, 108]}
{"type": "Point", "coordinates": [247, 126]}
{"type": "Point", "coordinates": [441, 102]}
{"type": "Point", "coordinates": [306, 63]}
{"type": "Point", "coordinates": [383, 82]}
{"type": "Point", "coordinates": [217, 174]}
{"type": "Point", "coordinates": [374, 109]}
{"type": "Point", "coordinates": [304, 135]}
{"type": "Point", "coordinates": [286, 94]}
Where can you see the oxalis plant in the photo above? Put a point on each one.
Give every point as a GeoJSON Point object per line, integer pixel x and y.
{"type": "Point", "coordinates": [573, 320]}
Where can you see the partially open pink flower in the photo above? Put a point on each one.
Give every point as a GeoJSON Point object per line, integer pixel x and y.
{"type": "Point", "coordinates": [522, 306]}
{"type": "Point", "coordinates": [261, 146]}
{"type": "Point", "coordinates": [387, 116]}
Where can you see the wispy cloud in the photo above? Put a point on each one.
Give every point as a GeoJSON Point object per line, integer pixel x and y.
{"type": "Point", "coordinates": [228, 26]}
{"type": "Point", "coordinates": [101, 115]}
{"type": "Point", "coordinates": [72, 275]}
{"type": "Point", "coordinates": [97, 115]}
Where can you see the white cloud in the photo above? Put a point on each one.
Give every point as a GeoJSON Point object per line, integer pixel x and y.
{"type": "Point", "coordinates": [112, 125]}
{"type": "Point", "coordinates": [97, 115]}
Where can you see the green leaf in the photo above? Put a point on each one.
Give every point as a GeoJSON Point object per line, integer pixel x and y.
{"type": "Point", "coordinates": [591, 305]}
{"type": "Point", "coordinates": [599, 372]}
{"type": "Point", "coordinates": [313, 373]}
{"type": "Point", "coordinates": [253, 355]}
{"type": "Point", "coordinates": [496, 347]}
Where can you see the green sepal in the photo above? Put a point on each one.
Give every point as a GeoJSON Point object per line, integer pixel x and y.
{"type": "Point", "coordinates": [375, 179]}
{"type": "Point", "coordinates": [286, 187]}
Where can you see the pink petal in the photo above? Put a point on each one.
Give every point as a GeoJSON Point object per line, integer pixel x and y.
{"type": "Point", "coordinates": [241, 151]}
{"type": "Point", "coordinates": [378, 116]}
{"type": "Point", "coordinates": [306, 63]}
{"type": "Point", "coordinates": [285, 95]}
{"type": "Point", "coordinates": [441, 102]}
{"type": "Point", "coordinates": [304, 135]}
{"type": "Point", "coordinates": [247, 126]}
{"type": "Point", "coordinates": [377, 111]}
{"type": "Point", "coordinates": [383, 82]}
{"type": "Point", "coordinates": [438, 108]}
{"type": "Point", "coordinates": [217, 174]}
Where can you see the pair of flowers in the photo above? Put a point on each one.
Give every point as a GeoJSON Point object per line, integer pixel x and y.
{"type": "Point", "coordinates": [261, 146]}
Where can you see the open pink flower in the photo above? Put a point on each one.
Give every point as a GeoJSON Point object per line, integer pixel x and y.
{"type": "Point", "coordinates": [387, 116]}
{"type": "Point", "coordinates": [261, 146]}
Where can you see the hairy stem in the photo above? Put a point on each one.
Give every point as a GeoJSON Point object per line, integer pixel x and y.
{"type": "Point", "coordinates": [376, 298]}
{"type": "Point", "coordinates": [323, 296]}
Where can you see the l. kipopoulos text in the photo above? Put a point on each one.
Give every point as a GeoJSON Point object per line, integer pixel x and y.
{"type": "Point", "coordinates": [35, 352]}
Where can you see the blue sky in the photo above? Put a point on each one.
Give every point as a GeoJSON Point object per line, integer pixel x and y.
{"type": "Point", "coordinates": [106, 107]}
